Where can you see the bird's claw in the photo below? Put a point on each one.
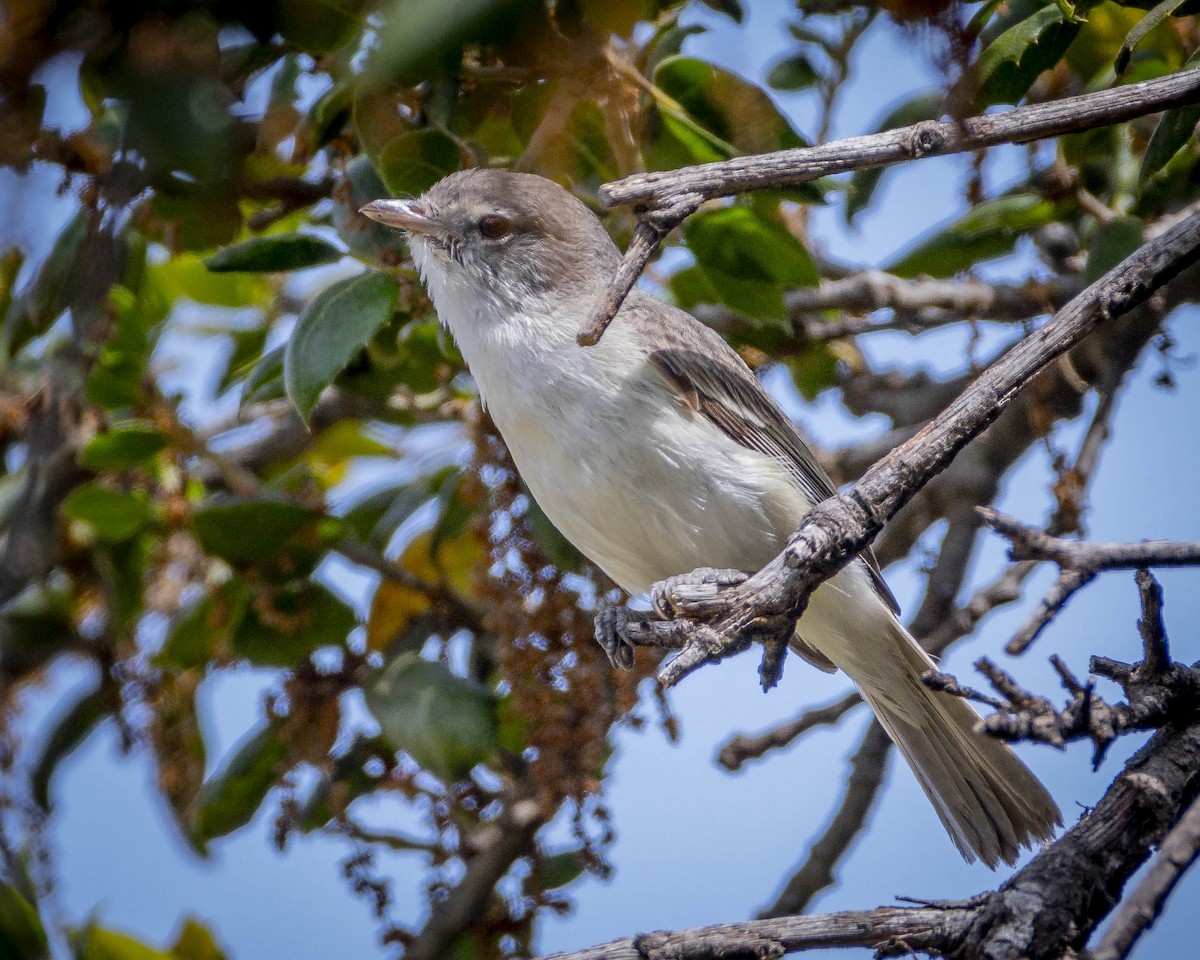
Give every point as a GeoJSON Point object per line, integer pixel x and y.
{"type": "Point", "coordinates": [612, 633]}
{"type": "Point", "coordinates": [689, 594]}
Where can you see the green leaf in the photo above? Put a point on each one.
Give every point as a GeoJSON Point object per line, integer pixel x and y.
{"type": "Point", "coordinates": [557, 548]}
{"type": "Point", "coordinates": [274, 253]}
{"type": "Point", "coordinates": [265, 380]}
{"type": "Point", "coordinates": [434, 33]}
{"type": "Point", "coordinates": [444, 722]}
{"type": "Point", "coordinates": [287, 624]}
{"type": "Point", "coordinates": [334, 326]}
{"type": "Point", "coordinates": [232, 796]}
{"type": "Point", "coordinates": [731, 8]}
{"type": "Point", "coordinates": [117, 375]}
{"type": "Point", "coordinates": [559, 869]}
{"type": "Point", "coordinates": [52, 289]}
{"type": "Point", "coordinates": [246, 531]}
{"type": "Point", "coordinates": [1112, 243]}
{"type": "Point", "coordinates": [319, 26]}
{"type": "Point", "coordinates": [749, 259]}
{"type": "Point", "coordinates": [70, 729]}
{"type": "Point", "coordinates": [863, 183]}
{"type": "Point", "coordinates": [96, 943]}
{"type": "Point", "coordinates": [793, 73]}
{"type": "Point", "coordinates": [113, 515]}
{"type": "Point", "coordinates": [22, 936]}
{"type": "Point", "coordinates": [127, 444]}
{"type": "Point", "coordinates": [1174, 130]}
{"type": "Point", "coordinates": [206, 626]}
{"type": "Point", "coordinates": [709, 113]}
{"type": "Point", "coordinates": [989, 230]}
{"type": "Point", "coordinates": [1135, 36]}
{"type": "Point", "coordinates": [196, 942]}
{"type": "Point", "coordinates": [414, 161]}
{"type": "Point", "coordinates": [1011, 63]}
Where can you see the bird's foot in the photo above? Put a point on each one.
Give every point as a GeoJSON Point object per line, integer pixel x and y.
{"type": "Point", "coordinates": [695, 594]}
{"type": "Point", "coordinates": [615, 634]}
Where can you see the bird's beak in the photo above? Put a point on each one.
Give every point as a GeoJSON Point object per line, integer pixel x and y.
{"type": "Point", "coordinates": [408, 215]}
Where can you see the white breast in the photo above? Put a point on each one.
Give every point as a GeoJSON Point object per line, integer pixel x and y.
{"type": "Point", "coordinates": [638, 482]}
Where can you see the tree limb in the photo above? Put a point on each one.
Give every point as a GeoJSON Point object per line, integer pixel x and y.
{"type": "Point", "coordinates": [766, 606]}
{"type": "Point", "coordinates": [664, 199]}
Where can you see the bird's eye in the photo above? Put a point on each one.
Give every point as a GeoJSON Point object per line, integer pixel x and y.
{"type": "Point", "coordinates": [494, 226]}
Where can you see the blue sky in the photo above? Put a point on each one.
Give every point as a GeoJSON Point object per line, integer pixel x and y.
{"type": "Point", "coordinates": [695, 845]}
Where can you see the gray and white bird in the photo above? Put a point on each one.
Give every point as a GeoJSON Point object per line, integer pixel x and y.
{"type": "Point", "coordinates": [657, 452]}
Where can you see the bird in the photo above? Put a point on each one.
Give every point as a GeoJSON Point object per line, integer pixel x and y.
{"type": "Point", "coordinates": [657, 451]}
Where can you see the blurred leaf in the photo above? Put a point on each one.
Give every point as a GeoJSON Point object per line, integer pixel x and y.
{"type": "Point", "coordinates": [691, 287]}
{"type": "Point", "coordinates": [1151, 20]}
{"type": "Point", "coordinates": [50, 292]}
{"type": "Point", "coordinates": [330, 113]}
{"type": "Point", "coordinates": [434, 33]}
{"type": "Point", "coordinates": [1174, 129]}
{"type": "Point", "coordinates": [414, 161]}
{"type": "Point", "coordinates": [179, 749]}
{"type": "Point", "coordinates": [286, 624]}
{"type": "Point", "coordinates": [113, 515]}
{"type": "Point", "coordinates": [22, 936]}
{"type": "Point", "coordinates": [708, 113]}
{"type": "Point", "coordinates": [1112, 243]}
{"type": "Point", "coordinates": [863, 183]}
{"type": "Point", "coordinates": [265, 380]}
{"type": "Point", "coordinates": [232, 796]}
{"type": "Point", "coordinates": [274, 253]}
{"type": "Point", "coordinates": [748, 259]}
{"type": "Point", "coordinates": [347, 781]}
{"type": "Point", "coordinates": [559, 869]}
{"type": "Point", "coordinates": [247, 531]}
{"type": "Point", "coordinates": [248, 344]}
{"type": "Point", "coordinates": [127, 444]}
{"type": "Point", "coordinates": [1009, 65]}
{"type": "Point", "coordinates": [444, 722]}
{"type": "Point", "coordinates": [116, 376]}
{"type": "Point", "coordinates": [185, 275]}
{"type": "Point", "coordinates": [793, 73]}
{"type": "Point", "coordinates": [395, 607]}
{"type": "Point", "coordinates": [558, 549]}
{"type": "Point", "coordinates": [989, 230]}
{"type": "Point", "coordinates": [731, 8]}
{"type": "Point", "coordinates": [319, 26]}
{"type": "Point", "coordinates": [206, 627]}
{"type": "Point", "coordinates": [96, 943]}
{"type": "Point", "coordinates": [334, 326]}
{"type": "Point", "coordinates": [375, 518]}
{"type": "Point", "coordinates": [71, 727]}
{"type": "Point", "coordinates": [813, 369]}
{"type": "Point", "coordinates": [197, 219]}
{"type": "Point", "coordinates": [196, 942]}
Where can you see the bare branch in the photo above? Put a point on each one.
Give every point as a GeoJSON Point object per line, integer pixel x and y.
{"type": "Point", "coordinates": [1175, 854]}
{"type": "Point", "coordinates": [1043, 912]}
{"type": "Point", "coordinates": [745, 747]}
{"type": "Point", "coordinates": [664, 199]}
{"type": "Point", "coordinates": [918, 305]}
{"type": "Point", "coordinates": [767, 605]}
{"type": "Point", "coordinates": [1030, 543]}
{"type": "Point", "coordinates": [708, 181]}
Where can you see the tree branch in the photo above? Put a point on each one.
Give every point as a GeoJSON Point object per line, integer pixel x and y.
{"type": "Point", "coordinates": [1046, 910]}
{"type": "Point", "coordinates": [766, 606]}
{"type": "Point", "coordinates": [664, 199]}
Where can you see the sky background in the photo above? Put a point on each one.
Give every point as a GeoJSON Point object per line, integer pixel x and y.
{"type": "Point", "coordinates": [695, 845]}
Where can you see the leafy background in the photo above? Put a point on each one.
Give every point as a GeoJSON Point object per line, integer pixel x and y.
{"type": "Point", "coordinates": [223, 702]}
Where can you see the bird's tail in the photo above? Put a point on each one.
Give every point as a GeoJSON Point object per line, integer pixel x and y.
{"type": "Point", "coordinates": [988, 800]}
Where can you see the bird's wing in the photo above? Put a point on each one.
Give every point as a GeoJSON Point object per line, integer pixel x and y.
{"type": "Point", "coordinates": [714, 382]}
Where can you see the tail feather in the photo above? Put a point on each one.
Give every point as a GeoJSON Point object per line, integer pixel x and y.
{"type": "Point", "coordinates": [987, 799]}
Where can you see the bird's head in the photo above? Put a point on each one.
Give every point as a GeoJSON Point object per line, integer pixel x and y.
{"type": "Point", "coordinates": [504, 237]}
